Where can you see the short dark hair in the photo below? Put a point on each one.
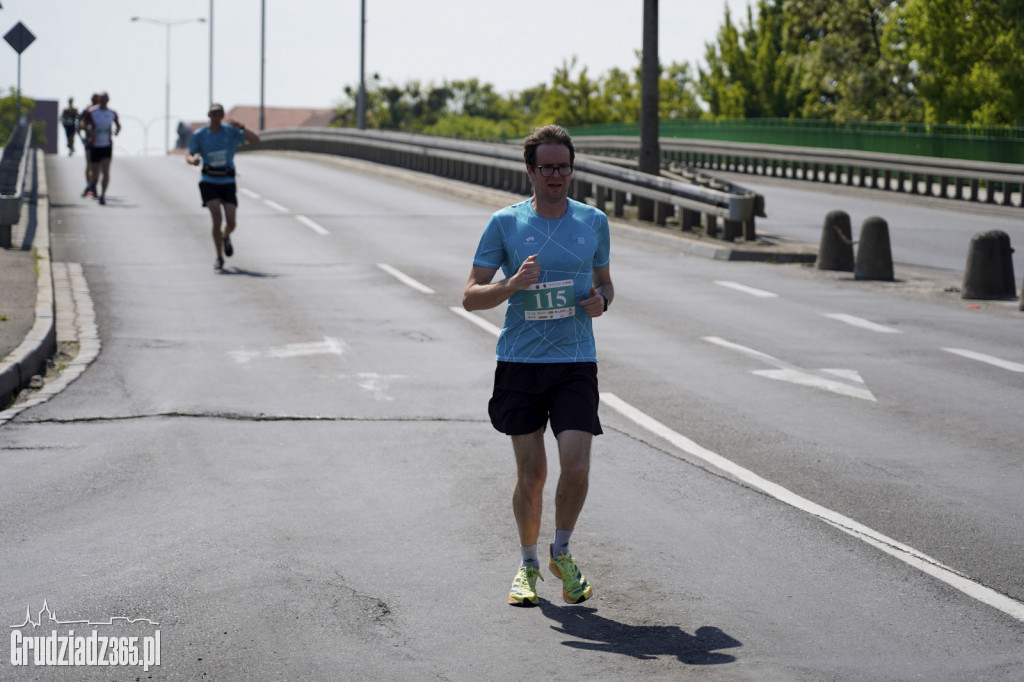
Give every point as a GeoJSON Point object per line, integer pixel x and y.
{"type": "Point", "coordinates": [549, 134]}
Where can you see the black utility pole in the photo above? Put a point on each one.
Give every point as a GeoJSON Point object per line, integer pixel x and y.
{"type": "Point", "coordinates": [650, 152]}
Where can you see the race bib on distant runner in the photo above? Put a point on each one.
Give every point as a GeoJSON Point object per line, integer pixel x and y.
{"type": "Point", "coordinates": [549, 301]}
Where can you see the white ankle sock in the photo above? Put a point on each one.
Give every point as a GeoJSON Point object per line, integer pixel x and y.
{"type": "Point", "coordinates": [561, 544]}
{"type": "Point", "coordinates": [529, 555]}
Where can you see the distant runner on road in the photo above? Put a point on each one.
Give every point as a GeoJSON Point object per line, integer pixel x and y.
{"type": "Point", "coordinates": [214, 146]}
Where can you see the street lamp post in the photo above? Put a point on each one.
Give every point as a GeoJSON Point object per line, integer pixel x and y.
{"type": "Point", "coordinates": [167, 93]}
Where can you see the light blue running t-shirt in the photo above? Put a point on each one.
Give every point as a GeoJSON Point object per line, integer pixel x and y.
{"type": "Point", "coordinates": [568, 248]}
{"type": "Point", "coordinates": [217, 149]}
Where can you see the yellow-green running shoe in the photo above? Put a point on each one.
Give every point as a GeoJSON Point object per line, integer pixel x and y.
{"type": "Point", "coordinates": [524, 587]}
{"type": "Point", "coordinates": [575, 588]}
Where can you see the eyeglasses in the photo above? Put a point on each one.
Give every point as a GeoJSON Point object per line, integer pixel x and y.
{"type": "Point", "coordinates": [547, 171]}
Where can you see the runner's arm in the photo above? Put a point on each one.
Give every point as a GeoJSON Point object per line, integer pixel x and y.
{"type": "Point", "coordinates": [481, 293]}
{"type": "Point", "coordinates": [601, 293]}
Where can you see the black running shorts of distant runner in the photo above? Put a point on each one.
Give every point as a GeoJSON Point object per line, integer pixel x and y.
{"type": "Point", "coordinates": [213, 191]}
{"type": "Point", "coordinates": [97, 154]}
{"type": "Point", "coordinates": [527, 395]}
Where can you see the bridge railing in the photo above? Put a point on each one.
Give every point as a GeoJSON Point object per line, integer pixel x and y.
{"type": "Point", "coordinates": [501, 166]}
{"type": "Point", "coordinates": [977, 181]}
{"type": "Point", "coordinates": [13, 170]}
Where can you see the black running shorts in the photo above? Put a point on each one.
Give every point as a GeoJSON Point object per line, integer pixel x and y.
{"type": "Point", "coordinates": [97, 154]}
{"type": "Point", "coordinates": [527, 395]}
{"type": "Point", "coordinates": [211, 191]}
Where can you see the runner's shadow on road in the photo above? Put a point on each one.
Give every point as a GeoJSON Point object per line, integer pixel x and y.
{"type": "Point", "coordinates": [644, 642]}
{"type": "Point", "coordinates": [232, 270]}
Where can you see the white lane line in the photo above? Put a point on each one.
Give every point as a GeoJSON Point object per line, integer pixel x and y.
{"type": "Point", "coordinates": [276, 206]}
{"type": "Point", "coordinates": [904, 553]}
{"type": "Point", "coordinates": [476, 319]}
{"type": "Point", "coordinates": [989, 359]}
{"type": "Point", "coordinates": [312, 224]}
{"type": "Point", "coordinates": [249, 193]}
{"type": "Point", "coordinates": [862, 323]}
{"type": "Point", "coordinates": [405, 279]}
{"type": "Point", "coordinates": [760, 293]}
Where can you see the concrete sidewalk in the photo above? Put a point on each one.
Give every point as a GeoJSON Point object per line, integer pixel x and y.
{"type": "Point", "coordinates": [27, 324]}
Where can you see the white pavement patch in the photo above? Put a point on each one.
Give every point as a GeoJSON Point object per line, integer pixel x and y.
{"type": "Point", "coordinates": [377, 385]}
{"type": "Point", "coordinates": [405, 279]}
{"type": "Point", "coordinates": [904, 553]}
{"type": "Point", "coordinates": [852, 384]}
{"type": "Point", "coordinates": [760, 293]}
{"type": "Point", "coordinates": [862, 323]}
{"type": "Point", "coordinates": [328, 346]}
{"type": "Point", "coordinates": [988, 359]}
{"type": "Point", "coordinates": [312, 224]}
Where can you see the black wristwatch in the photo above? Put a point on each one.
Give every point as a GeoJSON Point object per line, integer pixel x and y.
{"type": "Point", "coordinates": [605, 299]}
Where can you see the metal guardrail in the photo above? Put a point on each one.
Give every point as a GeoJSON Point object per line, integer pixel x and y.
{"type": "Point", "coordinates": [501, 166]}
{"type": "Point", "coordinates": [13, 170]}
{"type": "Point", "coordinates": [992, 183]}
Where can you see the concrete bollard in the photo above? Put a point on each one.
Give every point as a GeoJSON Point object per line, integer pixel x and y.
{"type": "Point", "coordinates": [989, 273]}
{"type": "Point", "coordinates": [874, 252]}
{"type": "Point", "coordinates": [836, 249]}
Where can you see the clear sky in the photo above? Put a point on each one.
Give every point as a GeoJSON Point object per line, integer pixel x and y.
{"type": "Point", "coordinates": [312, 49]}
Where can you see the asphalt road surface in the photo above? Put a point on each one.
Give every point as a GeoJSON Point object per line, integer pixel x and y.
{"type": "Point", "coordinates": [286, 469]}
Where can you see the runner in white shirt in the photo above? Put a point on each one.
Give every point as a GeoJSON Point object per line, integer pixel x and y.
{"type": "Point", "coordinates": [101, 125]}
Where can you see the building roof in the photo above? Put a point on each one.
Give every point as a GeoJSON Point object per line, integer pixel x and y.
{"type": "Point", "coordinates": [276, 117]}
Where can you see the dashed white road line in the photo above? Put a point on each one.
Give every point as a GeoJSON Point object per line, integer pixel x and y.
{"type": "Point", "coordinates": [405, 279]}
{"type": "Point", "coordinates": [249, 193]}
{"type": "Point", "coordinates": [988, 359]}
{"type": "Point", "coordinates": [276, 206]}
{"type": "Point", "coordinates": [476, 319]}
{"type": "Point", "coordinates": [862, 323]}
{"type": "Point", "coordinates": [904, 553]}
{"type": "Point", "coordinates": [760, 293]}
{"type": "Point", "coordinates": [312, 224]}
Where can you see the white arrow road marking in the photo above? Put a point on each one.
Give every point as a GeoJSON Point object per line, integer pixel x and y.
{"type": "Point", "coordinates": [760, 293]}
{"type": "Point", "coordinates": [787, 372]}
{"type": "Point", "coordinates": [328, 346]}
{"type": "Point", "coordinates": [981, 357]}
{"type": "Point", "coordinates": [405, 279]}
{"type": "Point", "coordinates": [862, 323]}
{"type": "Point", "coordinates": [904, 553]}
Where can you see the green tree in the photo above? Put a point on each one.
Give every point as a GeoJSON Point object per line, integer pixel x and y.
{"type": "Point", "coordinates": [752, 70]}
{"type": "Point", "coordinates": [572, 100]}
{"type": "Point", "coordinates": [969, 56]}
{"type": "Point", "coordinates": [850, 65]}
{"type": "Point", "coordinates": [8, 109]}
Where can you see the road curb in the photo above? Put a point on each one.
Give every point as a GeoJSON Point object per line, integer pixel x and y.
{"type": "Point", "coordinates": [29, 359]}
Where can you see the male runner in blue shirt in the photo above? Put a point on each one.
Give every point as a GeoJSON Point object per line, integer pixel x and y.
{"type": "Point", "coordinates": [554, 253]}
{"type": "Point", "coordinates": [214, 146]}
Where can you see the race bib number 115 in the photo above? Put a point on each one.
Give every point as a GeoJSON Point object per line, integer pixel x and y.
{"type": "Point", "coordinates": [549, 301]}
